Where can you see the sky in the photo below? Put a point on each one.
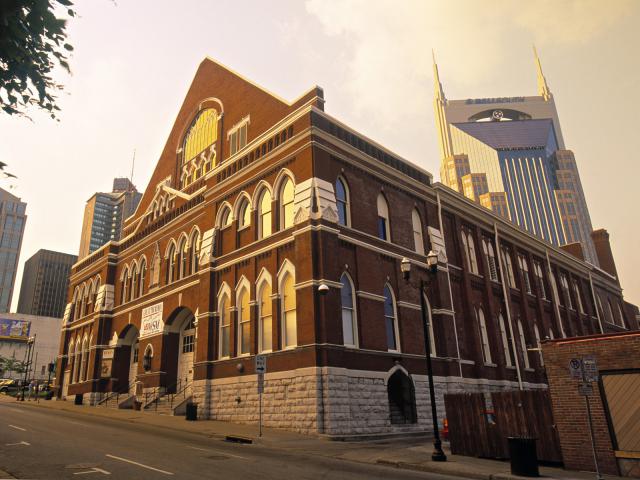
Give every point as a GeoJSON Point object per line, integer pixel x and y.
{"type": "Point", "coordinates": [135, 59]}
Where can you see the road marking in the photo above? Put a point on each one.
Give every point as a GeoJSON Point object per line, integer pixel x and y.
{"type": "Point", "coordinates": [18, 428]}
{"type": "Point", "coordinates": [221, 452]}
{"type": "Point", "coordinates": [19, 443]}
{"type": "Point", "coordinates": [139, 464]}
{"type": "Point", "coordinates": [94, 470]}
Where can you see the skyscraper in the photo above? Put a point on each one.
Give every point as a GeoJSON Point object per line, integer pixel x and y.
{"type": "Point", "coordinates": [105, 213]}
{"type": "Point", "coordinates": [508, 154]}
{"type": "Point", "coordinates": [12, 221]}
{"type": "Point", "coordinates": [45, 281]}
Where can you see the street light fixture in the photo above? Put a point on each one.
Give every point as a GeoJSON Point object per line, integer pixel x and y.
{"type": "Point", "coordinates": [432, 268]}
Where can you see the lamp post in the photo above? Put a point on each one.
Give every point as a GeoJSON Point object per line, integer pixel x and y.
{"type": "Point", "coordinates": [432, 267]}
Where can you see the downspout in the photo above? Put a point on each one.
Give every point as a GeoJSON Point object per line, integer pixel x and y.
{"type": "Point", "coordinates": [595, 304]}
{"type": "Point", "coordinates": [453, 313]}
{"type": "Point", "coordinates": [506, 306]}
{"type": "Point", "coordinates": [554, 292]}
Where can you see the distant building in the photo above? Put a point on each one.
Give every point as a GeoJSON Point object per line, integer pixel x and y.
{"type": "Point", "coordinates": [105, 213]}
{"type": "Point", "coordinates": [45, 281]}
{"type": "Point", "coordinates": [15, 331]}
{"type": "Point", "coordinates": [508, 155]}
{"type": "Point", "coordinates": [12, 221]}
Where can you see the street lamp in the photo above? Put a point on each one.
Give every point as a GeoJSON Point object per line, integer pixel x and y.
{"type": "Point", "coordinates": [432, 268]}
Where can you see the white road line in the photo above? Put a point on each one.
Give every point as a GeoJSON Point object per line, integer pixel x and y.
{"type": "Point", "coordinates": [18, 428]}
{"type": "Point", "coordinates": [139, 464]}
{"type": "Point", "coordinates": [221, 452]}
{"type": "Point", "coordinates": [93, 470]}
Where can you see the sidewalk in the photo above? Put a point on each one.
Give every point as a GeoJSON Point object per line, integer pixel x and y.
{"type": "Point", "coordinates": [408, 453]}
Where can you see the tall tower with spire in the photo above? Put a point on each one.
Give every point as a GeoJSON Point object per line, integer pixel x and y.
{"type": "Point", "coordinates": [508, 154]}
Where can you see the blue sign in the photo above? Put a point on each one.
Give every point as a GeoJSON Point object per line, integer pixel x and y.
{"type": "Point", "coordinates": [14, 328]}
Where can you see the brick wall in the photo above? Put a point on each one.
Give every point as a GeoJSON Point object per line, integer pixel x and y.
{"type": "Point", "coordinates": [612, 352]}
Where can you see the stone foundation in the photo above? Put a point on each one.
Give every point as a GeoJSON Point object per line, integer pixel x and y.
{"type": "Point", "coordinates": [330, 401]}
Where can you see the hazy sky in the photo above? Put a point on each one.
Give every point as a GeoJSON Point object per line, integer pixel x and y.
{"type": "Point", "coordinates": [134, 61]}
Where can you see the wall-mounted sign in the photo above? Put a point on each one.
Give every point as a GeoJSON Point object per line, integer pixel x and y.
{"type": "Point", "coordinates": [107, 354]}
{"type": "Point", "coordinates": [152, 322]}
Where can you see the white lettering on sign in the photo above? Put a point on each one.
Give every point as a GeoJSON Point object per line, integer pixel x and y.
{"type": "Point", "coordinates": [151, 323]}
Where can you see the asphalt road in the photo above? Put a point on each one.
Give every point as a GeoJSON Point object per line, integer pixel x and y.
{"type": "Point", "coordinates": [46, 444]}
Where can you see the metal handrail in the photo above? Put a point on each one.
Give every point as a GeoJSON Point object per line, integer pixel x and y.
{"type": "Point", "coordinates": [116, 394]}
{"type": "Point", "coordinates": [183, 391]}
{"type": "Point", "coordinates": [158, 395]}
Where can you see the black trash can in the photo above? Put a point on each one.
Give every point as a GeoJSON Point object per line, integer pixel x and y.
{"type": "Point", "coordinates": [524, 459]}
{"type": "Point", "coordinates": [192, 412]}
{"type": "Point", "coordinates": [78, 400]}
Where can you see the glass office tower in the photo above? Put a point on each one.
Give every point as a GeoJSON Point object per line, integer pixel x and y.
{"type": "Point", "coordinates": [12, 222]}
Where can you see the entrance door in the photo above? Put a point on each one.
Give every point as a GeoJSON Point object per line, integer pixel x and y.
{"type": "Point", "coordinates": [185, 359]}
{"type": "Point", "coordinates": [133, 368]}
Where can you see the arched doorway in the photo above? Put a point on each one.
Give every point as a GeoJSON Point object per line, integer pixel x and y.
{"type": "Point", "coordinates": [130, 338]}
{"type": "Point", "coordinates": [182, 322]}
{"type": "Point", "coordinates": [402, 398]}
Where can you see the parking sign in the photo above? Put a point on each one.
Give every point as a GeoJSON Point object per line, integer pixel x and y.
{"type": "Point", "coordinates": [261, 364]}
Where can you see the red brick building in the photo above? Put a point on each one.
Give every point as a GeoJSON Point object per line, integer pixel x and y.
{"type": "Point", "coordinates": [254, 203]}
{"type": "Point", "coordinates": [614, 404]}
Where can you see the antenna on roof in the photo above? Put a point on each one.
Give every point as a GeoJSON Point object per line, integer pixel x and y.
{"type": "Point", "coordinates": [133, 162]}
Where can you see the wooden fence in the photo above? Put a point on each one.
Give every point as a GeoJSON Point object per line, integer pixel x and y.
{"type": "Point", "coordinates": [480, 430]}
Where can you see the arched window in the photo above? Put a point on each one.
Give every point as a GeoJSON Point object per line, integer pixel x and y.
{"type": "Point", "coordinates": [484, 336]}
{"type": "Point", "coordinates": [523, 345]}
{"type": "Point", "coordinates": [506, 264]}
{"type": "Point", "coordinates": [182, 257]}
{"type": "Point", "coordinates": [83, 361]}
{"type": "Point", "coordinates": [143, 275]}
{"type": "Point", "coordinates": [537, 268]}
{"type": "Point", "coordinates": [76, 302]}
{"type": "Point", "coordinates": [610, 312]}
{"type": "Point", "coordinates": [264, 214]}
{"type": "Point", "coordinates": [244, 214]}
{"type": "Point", "coordinates": [134, 281]}
{"type": "Point", "coordinates": [225, 326]}
{"type": "Point", "coordinates": [194, 251]}
{"type": "Point", "coordinates": [432, 335]}
{"type": "Point", "coordinates": [265, 327]}
{"type": "Point", "coordinates": [384, 232]}
{"type": "Point", "coordinates": [506, 343]}
{"type": "Point", "coordinates": [70, 357]}
{"type": "Point", "coordinates": [600, 309]}
{"type": "Point", "coordinates": [82, 300]}
{"type": "Point", "coordinates": [538, 343]}
{"type": "Point", "coordinates": [244, 322]}
{"type": "Point", "coordinates": [124, 282]}
{"type": "Point", "coordinates": [621, 314]}
{"type": "Point", "coordinates": [349, 322]}
{"type": "Point", "coordinates": [202, 135]}
{"type": "Point", "coordinates": [489, 254]}
{"type": "Point", "coordinates": [91, 296]}
{"type": "Point", "coordinates": [225, 217]}
{"type": "Point", "coordinates": [76, 361]}
{"type": "Point", "coordinates": [171, 263]}
{"type": "Point", "coordinates": [524, 268]}
{"type": "Point", "coordinates": [418, 240]}
{"type": "Point", "coordinates": [391, 320]}
{"type": "Point", "coordinates": [287, 194]}
{"type": "Point", "coordinates": [342, 202]}
{"type": "Point", "coordinates": [289, 318]}
{"type": "Point", "coordinates": [470, 252]}
{"type": "Point", "coordinates": [95, 292]}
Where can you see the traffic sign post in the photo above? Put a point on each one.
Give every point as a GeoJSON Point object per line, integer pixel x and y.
{"type": "Point", "coordinates": [261, 369]}
{"type": "Point", "coordinates": [585, 369]}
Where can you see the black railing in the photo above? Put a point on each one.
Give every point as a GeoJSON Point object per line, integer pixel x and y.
{"type": "Point", "coordinates": [154, 396]}
{"type": "Point", "coordinates": [106, 400]}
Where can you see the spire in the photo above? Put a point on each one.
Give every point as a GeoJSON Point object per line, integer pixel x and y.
{"type": "Point", "coordinates": [438, 91]}
{"type": "Point", "coordinates": [543, 88]}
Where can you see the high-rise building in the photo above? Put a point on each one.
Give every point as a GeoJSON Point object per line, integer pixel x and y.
{"type": "Point", "coordinates": [508, 154]}
{"type": "Point", "coordinates": [45, 281]}
{"type": "Point", "coordinates": [105, 213]}
{"type": "Point", "coordinates": [12, 221]}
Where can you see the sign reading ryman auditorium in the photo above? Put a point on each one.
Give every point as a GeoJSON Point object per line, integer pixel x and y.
{"type": "Point", "coordinates": [152, 322]}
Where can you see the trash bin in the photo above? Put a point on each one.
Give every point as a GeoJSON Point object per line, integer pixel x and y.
{"type": "Point", "coordinates": [524, 460]}
{"type": "Point", "coordinates": [192, 411]}
{"type": "Point", "coordinates": [78, 400]}
{"type": "Point", "coordinates": [137, 405]}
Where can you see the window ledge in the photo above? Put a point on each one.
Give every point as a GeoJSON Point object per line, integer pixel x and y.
{"type": "Point", "coordinates": [492, 365]}
{"type": "Point", "coordinates": [510, 367]}
{"type": "Point", "coordinates": [529, 369]}
{"type": "Point", "coordinates": [243, 228]}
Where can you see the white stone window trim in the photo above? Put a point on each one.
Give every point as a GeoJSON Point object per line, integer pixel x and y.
{"type": "Point", "coordinates": [396, 322]}
{"type": "Point", "coordinates": [354, 311]}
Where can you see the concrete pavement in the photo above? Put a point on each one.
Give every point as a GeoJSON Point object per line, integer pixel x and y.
{"type": "Point", "coordinates": [412, 454]}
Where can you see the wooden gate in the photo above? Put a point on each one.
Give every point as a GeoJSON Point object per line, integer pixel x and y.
{"type": "Point", "coordinates": [478, 430]}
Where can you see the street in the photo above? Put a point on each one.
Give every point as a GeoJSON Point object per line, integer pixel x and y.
{"type": "Point", "coordinates": [45, 444]}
